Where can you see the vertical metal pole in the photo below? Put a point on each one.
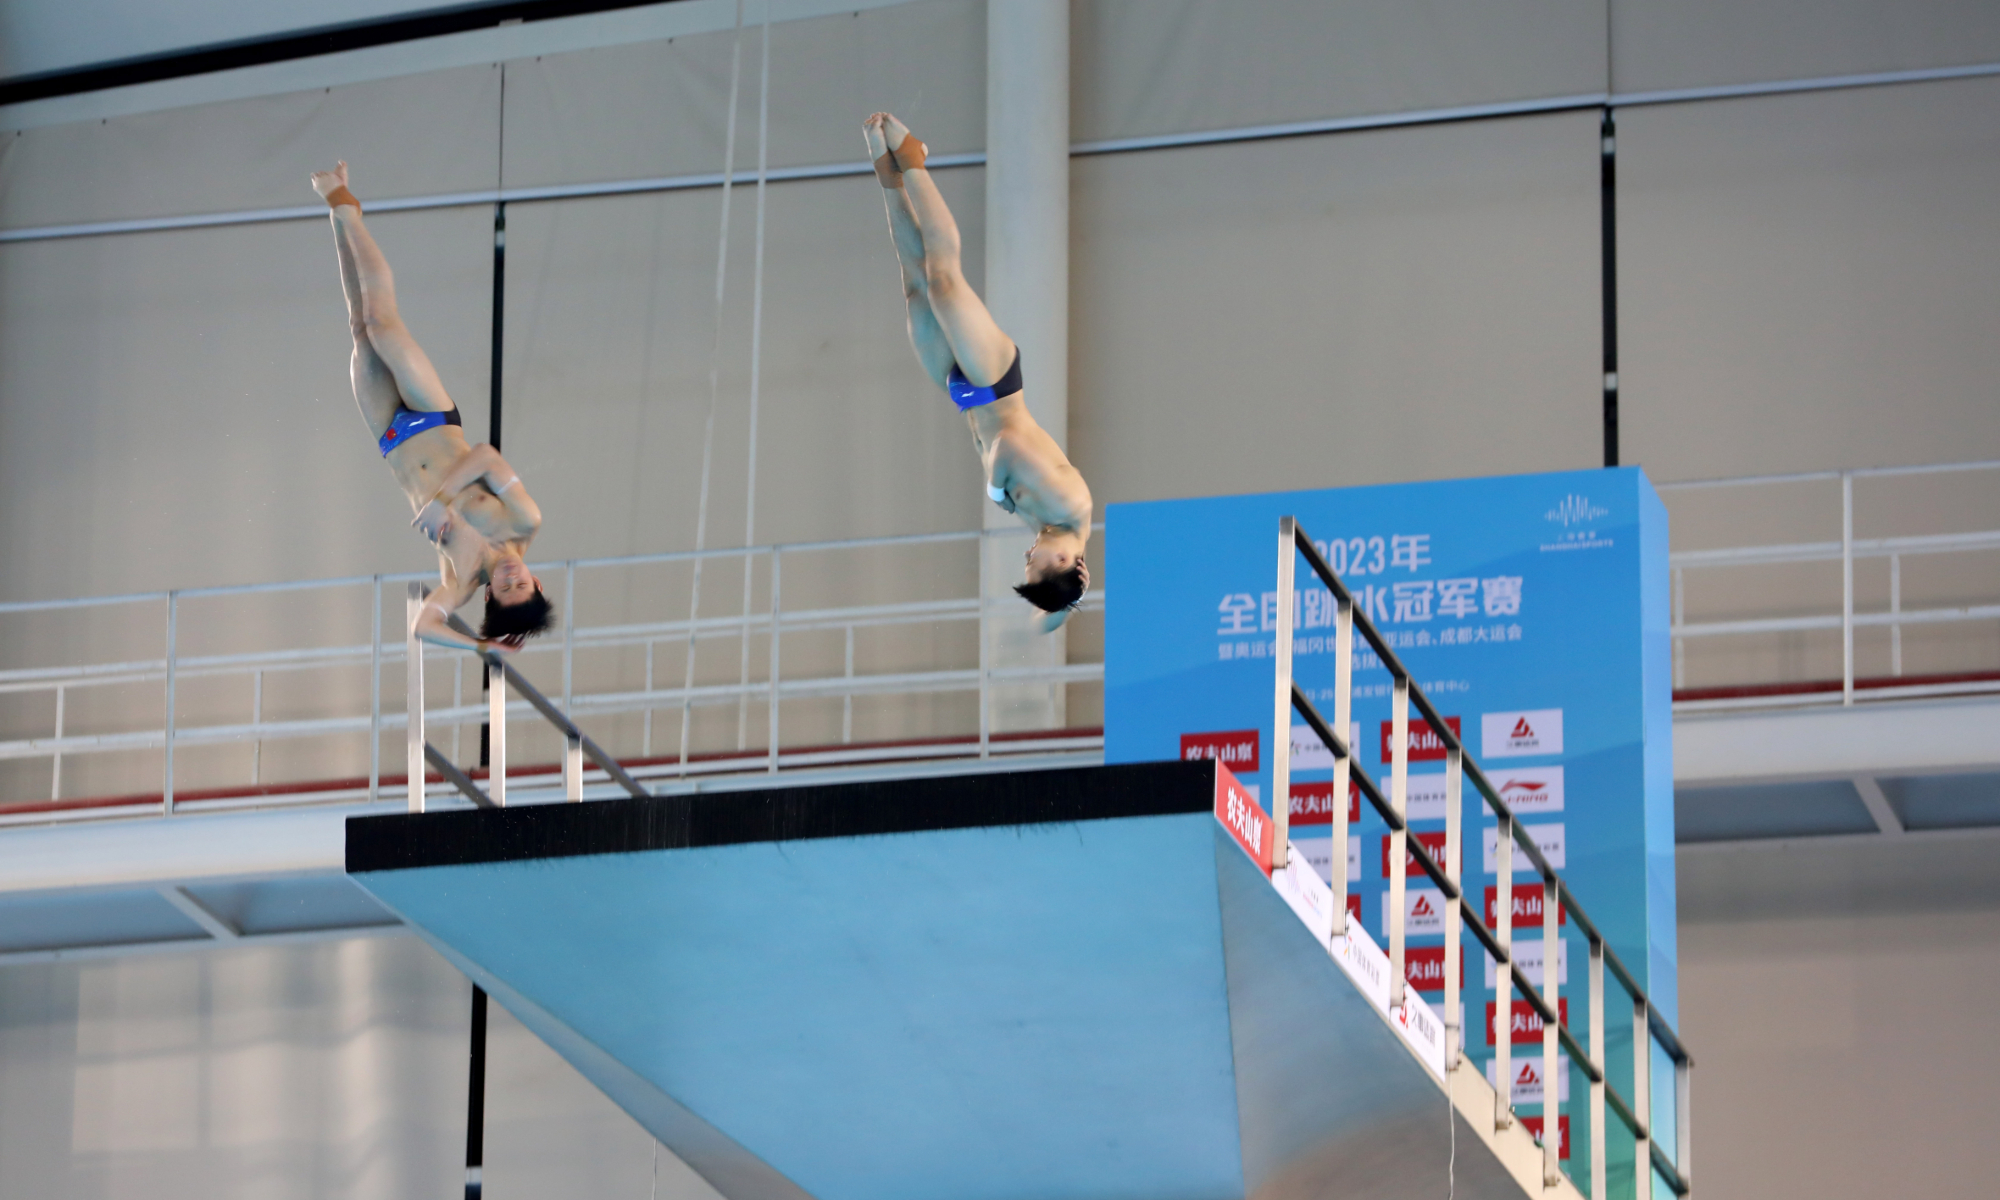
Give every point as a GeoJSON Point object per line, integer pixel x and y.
{"type": "Point", "coordinates": [1281, 722]}
{"type": "Point", "coordinates": [1551, 1093]}
{"type": "Point", "coordinates": [1642, 1099]}
{"type": "Point", "coordinates": [457, 701]}
{"type": "Point", "coordinates": [1503, 974]}
{"type": "Point", "coordinates": [1607, 202]}
{"type": "Point", "coordinates": [55, 780]}
{"type": "Point", "coordinates": [777, 560]}
{"type": "Point", "coordinates": [1683, 1110]}
{"type": "Point", "coordinates": [1343, 767]}
{"type": "Point", "coordinates": [1680, 619]}
{"type": "Point", "coordinates": [1454, 849]}
{"type": "Point", "coordinates": [1846, 588]}
{"type": "Point", "coordinates": [1896, 608]}
{"type": "Point", "coordinates": [375, 693]}
{"type": "Point", "coordinates": [475, 1099]}
{"type": "Point", "coordinates": [257, 718]}
{"type": "Point", "coordinates": [496, 742]}
{"type": "Point", "coordinates": [1399, 840]}
{"type": "Point", "coordinates": [847, 697]}
{"type": "Point", "coordinates": [1598, 1138]}
{"type": "Point", "coordinates": [573, 769]}
{"type": "Point", "coordinates": [413, 696]}
{"type": "Point", "coordinates": [167, 785]}
{"type": "Point", "coordinates": [569, 628]}
{"type": "Point", "coordinates": [646, 733]}
{"type": "Point", "coordinates": [985, 665]}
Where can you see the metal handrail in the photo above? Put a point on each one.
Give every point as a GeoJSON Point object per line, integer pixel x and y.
{"type": "Point", "coordinates": [1847, 550]}
{"type": "Point", "coordinates": [375, 653]}
{"type": "Point", "coordinates": [1649, 1025]}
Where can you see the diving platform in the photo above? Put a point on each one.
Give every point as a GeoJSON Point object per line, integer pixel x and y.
{"type": "Point", "coordinates": [1066, 983]}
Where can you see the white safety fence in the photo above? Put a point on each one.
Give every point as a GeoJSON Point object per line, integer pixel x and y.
{"type": "Point", "coordinates": [1813, 610]}
{"type": "Point", "coordinates": [55, 690]}
{"type": "Point", "coordinates": [1346, 940]}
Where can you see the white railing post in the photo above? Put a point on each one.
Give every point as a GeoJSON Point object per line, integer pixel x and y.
{"type": "Point", "coordinates": [573, 769]}
{"type": "Point", "coordinates": [1343, 766]}
{"type": "Point", "coordinates": [1683, 1130]}
{"type": "Point", "coordinates": [167, 783]}
{"type": "Point", "coordinates": [1454, 849]}
{"type": "Point", "coordinates": [985, 663]}
{"type": "Point", "coordinates": [1896, 609]}
{"type": "Point", "coordinates": [569, 629]}
{"type": "Point", "coordinates": [1599, 1141]}
{"type": "Point", "coordinates": [257, 719]}
{"type": "Point", "coordinates": [1642, 1098]}
{"type": "Point", "coordinates": [1399, 839]}
{"type": "Point", "coordinates": [55, 772]}
{"type": "Point", "coordinates": [1551, 977]}
{"type": "Point", "coordinates": [646, 723]}
{"type": "Point", "coordinates": [1281, 721]}
{"type": "Point", "coordinates": [413, 696]}
{"type": "Point", "coordinates": [1679, 619]}
{"type": "Point", "coordinates": [496, 735]}
{"type": "Point", "coordinates": [1846, 588]}
{"type": "Point", "coordinates": [847, 694]}
{"type": "Point", "coordinates": [1503, 973]}
{"type": "Point", "coordinates": [375, 693]}
{"type": "Point", "coordinates": [777, 562]}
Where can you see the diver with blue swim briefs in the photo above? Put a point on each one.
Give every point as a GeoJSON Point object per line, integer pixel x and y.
{"type": "Point", "coordinates": [469, 503]}
{"type": "Point", "coordinates": [979, 367]}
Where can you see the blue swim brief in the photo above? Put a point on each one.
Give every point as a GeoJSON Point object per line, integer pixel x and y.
{"type": "Point", "coordinates": [966, 396]}
{"type": "Point", "coordinates": [408, 422]}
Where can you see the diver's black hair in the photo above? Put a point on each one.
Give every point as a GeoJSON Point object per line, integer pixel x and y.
{"type": "Point", "coordinates": [1054, 593]}
{"type": "Point", "coordinates": [526, 619]}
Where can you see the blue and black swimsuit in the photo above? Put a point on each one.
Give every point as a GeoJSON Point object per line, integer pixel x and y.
{"type": "Point", "coordinates": [408, 422]}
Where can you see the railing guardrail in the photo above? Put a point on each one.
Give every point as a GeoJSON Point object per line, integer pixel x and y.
{"type": "Point", "coordinates": [1648, 1025]}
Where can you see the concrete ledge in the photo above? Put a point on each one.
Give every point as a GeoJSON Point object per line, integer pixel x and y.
{"type": "Point", "coordinates": [1834, 742]}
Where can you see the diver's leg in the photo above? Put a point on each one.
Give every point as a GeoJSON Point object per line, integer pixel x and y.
{"type": "Point", "coordinates": [374, 385]}
{"type": "Point", "coordinates": [981, 349]}
{"type": "Point", "coordinates": [416, 379]}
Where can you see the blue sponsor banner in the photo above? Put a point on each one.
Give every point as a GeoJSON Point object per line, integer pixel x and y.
{"type": "Point", "coordinates": [1532, 610]}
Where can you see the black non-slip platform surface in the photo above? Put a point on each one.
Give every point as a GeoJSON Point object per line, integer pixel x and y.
{"type": "Point", "coordinates": [461, 836]}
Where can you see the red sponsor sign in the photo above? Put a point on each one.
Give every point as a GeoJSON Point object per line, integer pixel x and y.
{"type": "Point", "coordinates": [1527, 908]}
{"type": "Point", "coordinates": [1425, 746]}
{"type": "Point", "coordinates": [1423, 966]}
{"type": "Point", "coordinates": [1235, 748]}
{"type": "Point", "coordinates": [1433, 844]}
{"type": "Point", "coordinates": [1243, 817]}
{"type": "Point", "coordinates": [1312, 803]}
{"type": "Point", "coordinates": [1353, 906]}
{"type": "Point", "coordinates": [1534, 1126]}
{"type": "Point", "coordinates": [1527, 1023]}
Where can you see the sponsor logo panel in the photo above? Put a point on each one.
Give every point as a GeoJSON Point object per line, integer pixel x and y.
{"type": "Point", "coordinates": [1527, 1078]}
{"type": "Point", "coordinates": [1527, 908]}
{"type": "Point", "coordinates": [1235, 748]}
{"type": "Point", "coordinates": [1318, 851]}
{"type": "Point", "coordinates": [1548, 838]}
{"type": "Point", "coordinates": [1433, 845]}
{"type": "Point", "coordinates": [1528, 956]}
{"type": "Point", "coordinates": [1425, 745]}
{"type": "Point", "coordinates": [1312, 803]}
{"type": "Point", "coordinates": [1423, 911]}
{"type": "Point", "coordinates": [1529, 791]}
{"type": "Point", "coordinates": [1526, 1023]}
{"type": "Point", "coordinates": [1521, 734]}
{"type": "Point", "coordinates": [1423, 966]}
{"type": "Point", "coordinates": [1308, 752]}
{"type": "Point", "coordinates": [1243, 818]}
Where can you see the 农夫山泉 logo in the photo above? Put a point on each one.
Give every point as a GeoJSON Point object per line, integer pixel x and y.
{"type": "Point", "coordinates": [1423, 966]}
{"type": "Point", "coordinates": [1526, 1023]}
{"type": "Point", "coordinates": [1312, 803]}
{"type": "Point", "coordinates": [1235, 748]}
{"type": "Point", "coordinates": [1425, 745]}
{"type": "Point", "coordinates": [1520, 734]}
{"type": "Point", "coordinates": [1243, 818]}
{"type": "Point", "coordinates": [1433, 844]}
{"type": "Point", "coordinates": [1534, 1126]}
{"type": "Point", "coordinates": [1527, 908]}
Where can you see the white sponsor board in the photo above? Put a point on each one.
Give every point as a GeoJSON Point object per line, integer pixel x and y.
{"type": "Point", "coordinates": [1319, 852]}
{"type": "Point", "coordinates": [1548, 838]}
{"type": "Point", "coordinates": [1423, 911]}
{"type": "Point", "coordinates": [1308, 752]}
{"type": "Point", "coordinates": [1421, 1028]}
{"type": "Point", "coordinates": [1527, 1077]}
{"type": "Point", "coordinates": [1528, 956]}
{"type": "Point", "coordinates": [1310, 898]}
{"type": "Point", "coordinates": [1521, 734]}
{"type": "Point", "coordinates": [1529, 791]}
{"type": "Point", "coordinates": [1365, 964]}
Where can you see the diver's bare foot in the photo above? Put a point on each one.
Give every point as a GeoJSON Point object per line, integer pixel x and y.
{"type": "Point", "coordinates": [326, 183]}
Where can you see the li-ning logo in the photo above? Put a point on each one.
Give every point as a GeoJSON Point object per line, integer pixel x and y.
{"type": "Point", "coordinates": [1575, 510]}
